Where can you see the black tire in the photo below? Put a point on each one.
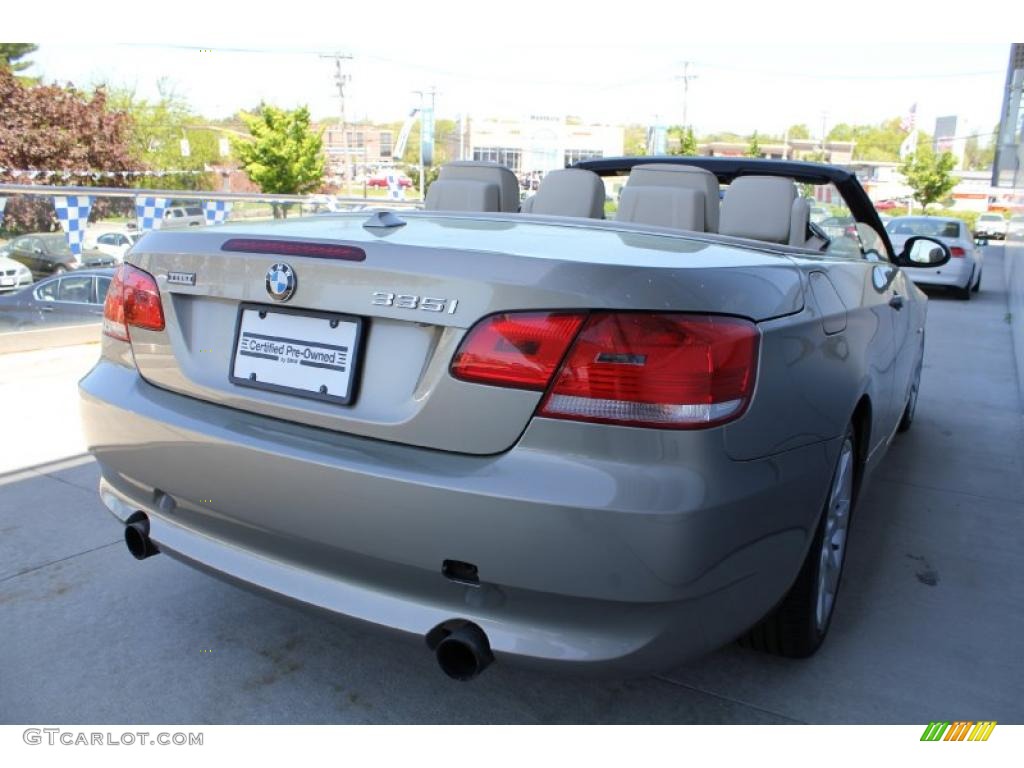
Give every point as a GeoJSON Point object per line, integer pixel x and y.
{"type": "Point", "coordinates": [907, 419]}
{"type": "Point", "coordinates": [793, 628]}
{"type": "Point", "coordinates": [977, 284]}
{"type": "Point", "coordinates": [963, 293]}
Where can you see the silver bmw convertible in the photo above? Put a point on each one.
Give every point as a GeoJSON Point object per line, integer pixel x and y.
{"type": "Point", "coordinates": [534, 431]}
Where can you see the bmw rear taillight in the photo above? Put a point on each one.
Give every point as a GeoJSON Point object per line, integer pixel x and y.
{"type": "Point", "coordinates": [520, 349]}
{"type": "Point", "coordinates": [957, 253]}
{"type": "Point", "coordinates": [671, 371]}
{"type": "Point", "coordinates": [133, 299]}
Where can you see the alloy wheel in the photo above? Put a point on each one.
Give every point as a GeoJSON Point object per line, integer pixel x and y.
{"type": "Point", "coordinates": [833, 545]}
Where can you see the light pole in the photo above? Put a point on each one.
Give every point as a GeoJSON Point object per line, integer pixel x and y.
{"type": "Point", "coordinates": [686, 77]}
{"type": "Point", "coordinates": [341, 79]}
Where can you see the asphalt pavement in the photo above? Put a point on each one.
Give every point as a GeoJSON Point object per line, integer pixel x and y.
{"type": "Point", "coordinates": [928, 625]}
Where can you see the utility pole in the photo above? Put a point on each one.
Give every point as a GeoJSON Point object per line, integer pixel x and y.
{"type": "Point", "coordinates": [341, 79]}
{"type": "Point", "coordinates": [824, 120]}
{"type": "Point", "coordinates": [422, 95]}
{"type": "Point", "coordinates": [686, 77]}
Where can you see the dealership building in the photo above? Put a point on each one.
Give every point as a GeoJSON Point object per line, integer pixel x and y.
{"type": "Point", "coordinates": [537, 143]}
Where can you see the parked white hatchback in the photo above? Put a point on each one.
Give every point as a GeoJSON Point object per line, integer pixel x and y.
{"type": "Point", "coordinates": [115, 243]}
{"type": "Point", "coordinates": [963, 272]}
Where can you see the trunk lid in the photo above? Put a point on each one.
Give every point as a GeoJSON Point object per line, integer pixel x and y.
{"type": "Point", "coordinates": [468, 268]}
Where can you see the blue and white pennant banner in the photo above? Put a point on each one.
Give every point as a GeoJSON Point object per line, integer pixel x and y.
{"type": "Point", "coordinates": [73, 214]}
{"type": "Point", "coordinates": [149, 212]}
{"type": "Point", "coordinates": [216, 211]}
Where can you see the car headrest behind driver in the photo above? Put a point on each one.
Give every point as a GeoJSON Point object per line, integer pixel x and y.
{"type": "Point", "coordinates": [684, 177]}
{"type": "Point", "coordinates": [468, 185]}
{"type": "Point", "coordinates": [568, 192]}
{"type": "Point", "coordinates": [759, 208]}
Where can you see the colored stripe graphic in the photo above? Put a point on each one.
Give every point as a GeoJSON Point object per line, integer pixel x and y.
{"type": "Point", "coordinates": [982, 730]}
{"type": "Point", "coordinates": [934, 731]}
{"type": "Point", "coordinates": [959, 730]}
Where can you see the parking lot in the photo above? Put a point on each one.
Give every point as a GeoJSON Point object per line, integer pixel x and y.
{"type": "Point", "coordinates": [928, 627]}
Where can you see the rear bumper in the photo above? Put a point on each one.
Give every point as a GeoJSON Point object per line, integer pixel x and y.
{"type": "Point", "coordinates": [955, 274]}
{"type": "Point", "coordinates": [615, 549]}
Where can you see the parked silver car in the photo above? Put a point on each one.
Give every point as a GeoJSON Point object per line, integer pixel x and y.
{"type": "Point", "coordinates": [180, 216]}
{"type": "Point", "coordinates": [541, 437]}
{"type": "Point", "coordinates": [13, 274]}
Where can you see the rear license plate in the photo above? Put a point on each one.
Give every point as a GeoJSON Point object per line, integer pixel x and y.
{"type": "Point", "coordinates": [297, 352]}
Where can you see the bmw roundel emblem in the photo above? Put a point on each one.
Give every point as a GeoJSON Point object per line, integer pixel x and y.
{"type": "Point", "coordinates": [281, 282]}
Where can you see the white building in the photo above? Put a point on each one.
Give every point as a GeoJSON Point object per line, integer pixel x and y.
{"type": "Point", "coordinates": [538, 144]}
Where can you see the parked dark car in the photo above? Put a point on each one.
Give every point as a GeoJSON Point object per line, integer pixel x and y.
{"type": "Point", "coordinates": [68, 299]}
{"type": "Point", "coordinates": [48, 253]}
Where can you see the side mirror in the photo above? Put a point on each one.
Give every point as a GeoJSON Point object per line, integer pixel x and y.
{"type": "Point", "coordinates": [923, 252]}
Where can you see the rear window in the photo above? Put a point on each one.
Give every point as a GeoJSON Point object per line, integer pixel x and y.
{"type": "Point", "coordinates": [924, 227]}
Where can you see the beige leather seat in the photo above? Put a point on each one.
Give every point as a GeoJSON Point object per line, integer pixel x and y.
{"type": "Point", "coordinates": [466, 185]}
{"type": "Point", "coordinates": [767, 208]}
{"type": "Point", "coordinates": [568, 192]}
{"type": "Point", "coordinates": [667, 195]}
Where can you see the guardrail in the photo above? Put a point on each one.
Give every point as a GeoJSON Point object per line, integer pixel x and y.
{"type": "Point", "coordinates": [48, 190]}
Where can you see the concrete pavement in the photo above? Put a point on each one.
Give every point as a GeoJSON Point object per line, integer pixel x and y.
{"type": "Point", "coordinates": [929, 624]}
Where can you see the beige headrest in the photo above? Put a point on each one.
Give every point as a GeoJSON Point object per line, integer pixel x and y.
{"type": "Point", "coordinates": [685, 176]}
{"type": "Point", "coordinates": [759, 207]}
{"type": "Point", "coordinates": [569, 192]}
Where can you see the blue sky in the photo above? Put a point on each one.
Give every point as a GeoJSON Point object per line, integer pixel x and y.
{"type": "Point", "coordinates": [527, 61]}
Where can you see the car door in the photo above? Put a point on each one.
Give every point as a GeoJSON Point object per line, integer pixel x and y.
{"type": "Point", "coordinates": [102, 285]}
{"type": "Point", "coordinates": [76, 302]}
{"type": "Point", "coordinates": [24, 250]}
{"type": "Point", "coordinates": [895, 302]}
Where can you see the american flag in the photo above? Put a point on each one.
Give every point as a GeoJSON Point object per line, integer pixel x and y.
{"type": "Point", "coordinates": [909, 122]}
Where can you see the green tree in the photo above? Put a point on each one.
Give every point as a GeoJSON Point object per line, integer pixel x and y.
{"type": "Point", "coordinates": [977, 158]}
{"type": "Point", "coordinates": [634, 140]}
{"type": "Point", "coordinates": [62, 136]}
{"type": "Point", "coordinates": [283, 156]}
{"type": "Point", "coordinates": [10, 55]}
{"type": "Point", "coordinates": [157, 130]}
{"type": "Point", "coordinates": [799, 131]}
{"type": "Point", "coordinates": [753, 148]}
{"type": "Point", "coordinates": [929, 175]}
{"type": "Point", "coordinates": [685, 142]}
{"type": "Point", "coordinates": [879, 142]}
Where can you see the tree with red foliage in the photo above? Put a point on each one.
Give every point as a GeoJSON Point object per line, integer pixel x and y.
{"type": "Point", "coordinates": [62, 130]}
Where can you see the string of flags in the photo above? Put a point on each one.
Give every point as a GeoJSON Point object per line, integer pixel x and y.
{"type": "Point", "coordinates": [150, 213]}
{"type": "Point", "coordinates": [34, 174]}
{"type": "Point", "coordinates": [73, 215]}
{"type": "Point", "coordinates": [216, 211]}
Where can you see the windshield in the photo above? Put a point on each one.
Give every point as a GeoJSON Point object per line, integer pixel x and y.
{"type": "Point", "coordinates": [990, 217]}
{"type": "Point", "coordinates": [925, 227]}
